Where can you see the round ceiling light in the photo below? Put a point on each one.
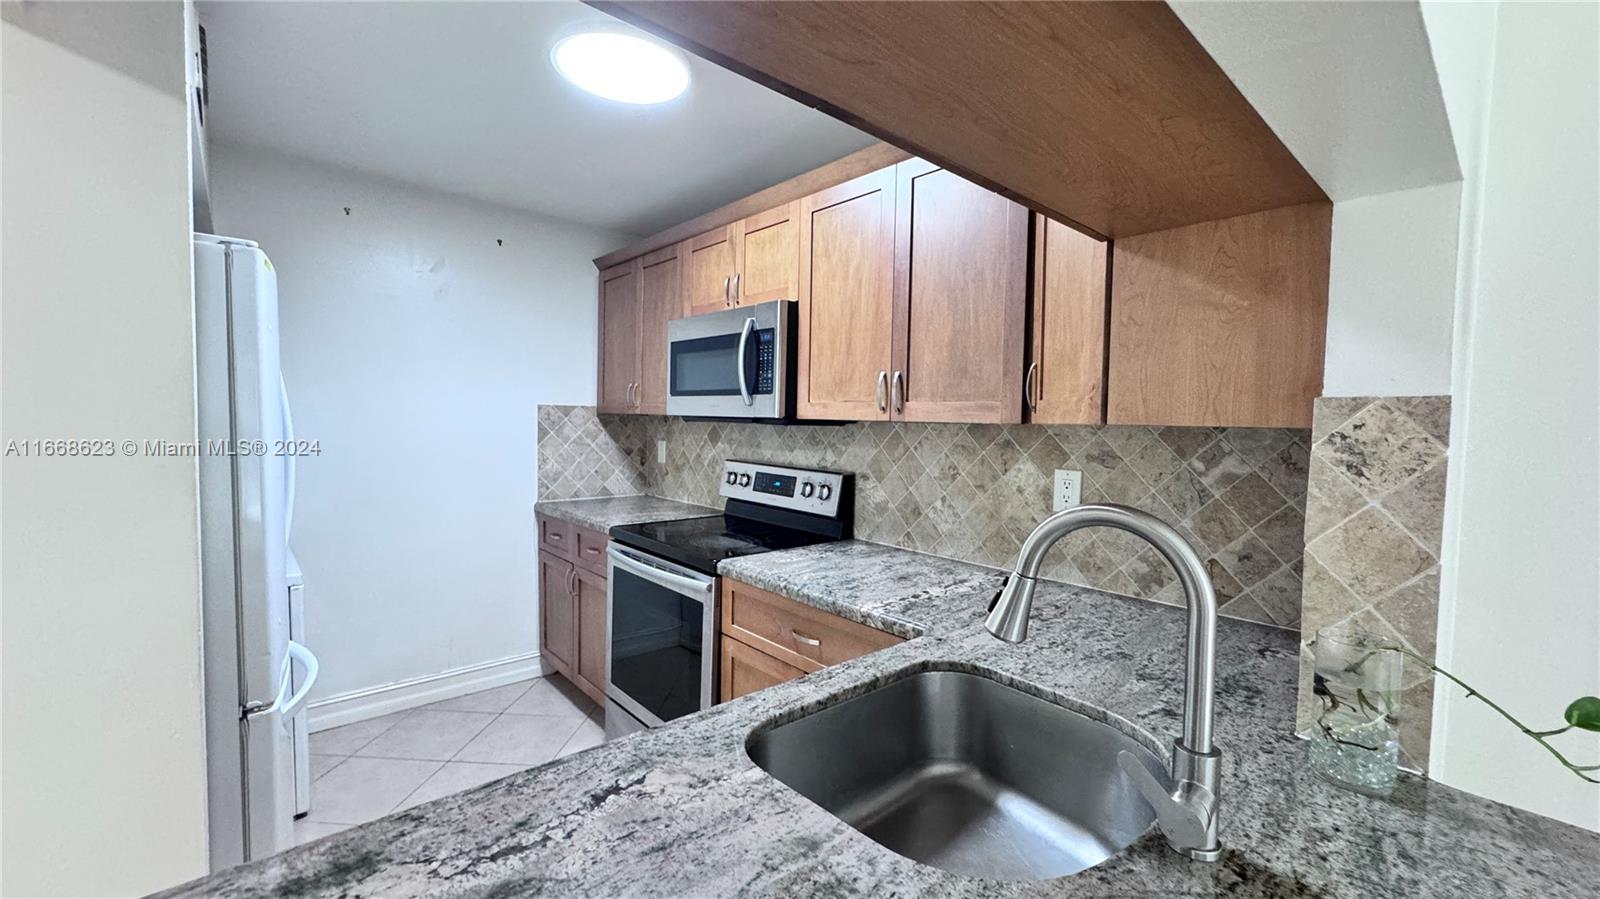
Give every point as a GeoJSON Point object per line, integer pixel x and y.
{"type": "Point", "coordinates": [621, 67]}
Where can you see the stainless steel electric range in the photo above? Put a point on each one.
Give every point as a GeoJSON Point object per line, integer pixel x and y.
{"type": "Point", "coordinates": [661, 626]}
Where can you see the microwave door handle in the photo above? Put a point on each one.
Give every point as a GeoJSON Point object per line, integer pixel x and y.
{"type": "Point", "coordinates": [744, 340]}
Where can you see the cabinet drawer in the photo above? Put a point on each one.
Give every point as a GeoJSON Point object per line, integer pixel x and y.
{"type": "Point", "coordinates": [555, 536]}
{"type": "Point", "coordinates": [746, 670]}
{"type": "Point", "coordinates": [792, 632]}
{"type": "Point", "coordinates": [590, 550]}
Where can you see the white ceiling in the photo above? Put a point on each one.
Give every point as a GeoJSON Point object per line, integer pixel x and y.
{"type": "Point", "coordinates": [461, 97]}
{"type": "Point", "coordinates": [1350, 88]}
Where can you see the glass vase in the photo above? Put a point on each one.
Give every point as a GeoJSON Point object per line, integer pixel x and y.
{"type": "Point", "coordinates": [1355, 737]}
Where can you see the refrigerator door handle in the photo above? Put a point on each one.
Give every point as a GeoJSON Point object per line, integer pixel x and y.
{"type": "Point", "coordinates": [285, 704]}
{"type": "Point", "coordinates": [308, 660]}
{"type": "Point", "coordinates": [293, 459]}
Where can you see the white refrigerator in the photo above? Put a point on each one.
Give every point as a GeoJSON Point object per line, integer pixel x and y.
{"type": "Point", "coordinates": [256, 677]}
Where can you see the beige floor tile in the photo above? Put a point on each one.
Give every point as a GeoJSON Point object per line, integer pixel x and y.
{"type": "Point", "coordinates": [590, 733]}
{"type": "Point", "coordinates": [427, 734]}
{"type": "Point", "coordinates": [306, 830]}
{"type": "Point", "coordinates": [457, 776]}
{"type": "Point", "coordinates": [552, 696]}
{"type": "Point", "coordinates": [521, 740]}
{"type": "Point", "coordinates": [347, 739]}
{"type": "Point", "coordinates": [492, 700]}
{"type": "Point", "coordinates": [362, 789]}
{"type": "Point", "coordinates": [322, 764]}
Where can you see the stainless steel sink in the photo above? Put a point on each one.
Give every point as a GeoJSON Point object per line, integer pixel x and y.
{"type": "Point", "coordinates": [967, 774]}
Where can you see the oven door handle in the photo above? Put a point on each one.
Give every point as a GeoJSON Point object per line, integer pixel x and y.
{"type": "Point", "coordinates": [673, 581]}
{"type": "Point", "coordinates": [744, 340]}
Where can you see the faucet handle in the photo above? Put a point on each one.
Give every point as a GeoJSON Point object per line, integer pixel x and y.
{"type": "Point", "coordinates": [1184, 815]}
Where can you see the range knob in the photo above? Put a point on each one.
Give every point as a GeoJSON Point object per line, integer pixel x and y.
{"type": "Point", "coordinates": [744, 480]}
{"type": "Point", "coordinates": [824, 492]}
{"type": "Point", "coordinates": [733, 478]}
{"type": "Point", "coordinates": [807, 488]}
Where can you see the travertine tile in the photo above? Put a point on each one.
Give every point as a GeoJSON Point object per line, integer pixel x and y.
{"type": "Point", "coordinates": [973, 492]}
{"type": "Point", "coordinates": [1378, 450]}
{"type": "Point", "coordinates": [1418, 505]}
{"type": "Point", "coordinates": [1370, 554]}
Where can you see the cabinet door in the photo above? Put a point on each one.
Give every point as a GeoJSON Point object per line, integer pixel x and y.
{"type": "Point", "coordinates": [961, 297]}
{"type": "Point", "coordinates": [769, 256]}
{"type": "Point", "coordinates": [1221, 323]}
{"type": "Point", "coordinates": [746, 670]}
{"type": "Point", "coordinates": [591, 605]}
{"type": "Point", "coordinates": [558, 622]}
{"type": "Point", "coordinates": [619, 338]}
{"type": "Point", "coordinates": [660, 301]}
{"type": "Point", "coordinates": [847, 299]}
{"type": "Point", "coordinates": [711, 263]}
{"type": "Point", "coordinates": [1068, 353]}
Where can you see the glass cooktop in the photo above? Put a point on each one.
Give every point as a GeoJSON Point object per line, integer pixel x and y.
{"type": "Point", "coordinates": [700, 543]}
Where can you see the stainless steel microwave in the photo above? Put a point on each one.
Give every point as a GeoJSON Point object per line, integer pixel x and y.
{"type": "Point", "coordinates": [738, 363]}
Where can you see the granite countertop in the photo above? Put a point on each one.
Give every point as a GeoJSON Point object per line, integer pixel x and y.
{"type": "Point", "coordinates": [604, 513]}
{"type": "Point", "coordinates": [682, 811]}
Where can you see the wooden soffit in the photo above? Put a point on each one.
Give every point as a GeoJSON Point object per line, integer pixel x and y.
{"type": "Point", "coordinates": [1106, 115]}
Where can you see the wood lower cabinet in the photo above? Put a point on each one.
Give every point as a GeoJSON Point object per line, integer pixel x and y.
{"type": "Point", "coordinates": [590, 602]}
{"type": "Point", "coordinates": [573, 604]}
{"type": "Point", "coordinates": [1221, 323]}
{"type": "Point", "coordinates": [746, 670]}
{"type": "Point", "coordinates": [1065, 380]}
{"type": "Point", "coordinates": [847, 300]}
{"type": "Point", "coordinates": [558, 613]}
{"type": "Point", "coordinates": [619, 339]}
{"type": "Point", "coordinates": [960, 299]}
{"type": "Point", "coordinates": [768, 639]}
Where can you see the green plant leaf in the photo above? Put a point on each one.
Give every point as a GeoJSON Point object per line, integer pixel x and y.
{"type": "Point", "coordinates": [1584, 713]}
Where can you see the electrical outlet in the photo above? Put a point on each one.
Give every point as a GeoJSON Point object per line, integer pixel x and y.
{"type": "Point", "coordinates": [1068, 488]}
{"type": "Point", "coordinates": [661, 452]}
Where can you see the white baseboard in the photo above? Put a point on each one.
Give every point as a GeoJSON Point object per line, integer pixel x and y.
{"type": "Point", "coordinates": [359, 705]}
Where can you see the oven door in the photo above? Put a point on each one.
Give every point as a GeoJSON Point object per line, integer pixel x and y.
{"type": "Point", "coordinates": [731, 364]}
{"type": "Point", "coordinates": [661, 636]}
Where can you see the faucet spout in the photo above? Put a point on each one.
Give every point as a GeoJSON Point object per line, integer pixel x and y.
{"type": "Point", "coordinates": [1195, 761]}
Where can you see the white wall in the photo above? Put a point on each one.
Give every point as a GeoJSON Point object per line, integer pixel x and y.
{"type": "Point", "coordinates": [1392, 293]}
{"type": "Point", "coordinates": [102, 768]}
{"type": "Point", "coordinates": [1520, 615]}
{"type": "Point", "coordinates": [416, 349]}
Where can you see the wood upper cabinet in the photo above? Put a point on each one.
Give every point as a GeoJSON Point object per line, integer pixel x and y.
{"type": "Point", "coordinates": [847, 299]}
{"type": "Point", "coordinates": [558, 614]}
{"type": "Point", "coordinates": [661, 299]}
{"type": "Point", "coordinates": [710, 262]}
{"type": "Point", "coordinates": [1065, 379]}
{"type": "Point", "coordinates": [619, 338]}
{"type": "Point", "coordinates": [1221, 323]}
{"type": "Point", "coordinates": [768, 256]}
{"type": "Point", "coordinates": [960, 299]}
{"type": "Point", "coordinates": [590, 608]}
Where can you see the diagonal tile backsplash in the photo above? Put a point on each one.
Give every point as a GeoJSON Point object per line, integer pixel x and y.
{"type": "Point", "coordinates": [972, 492]}
{"type": "Point", "coordinates": [1374, 517]}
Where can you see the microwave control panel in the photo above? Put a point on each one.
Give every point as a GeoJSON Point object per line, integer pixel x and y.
{"type": "Point", "coordinates": [800, 489]}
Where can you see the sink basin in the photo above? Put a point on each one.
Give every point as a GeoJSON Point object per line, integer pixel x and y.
{"type": "Point", "coordinates": [964, 773]}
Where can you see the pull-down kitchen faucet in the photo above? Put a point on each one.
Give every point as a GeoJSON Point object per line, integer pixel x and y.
{"type": "Point", "coordinates": [1187, 814]}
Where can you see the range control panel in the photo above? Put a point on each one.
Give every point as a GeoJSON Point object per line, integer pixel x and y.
{"type": "Point", "coordinates": [800, 489]}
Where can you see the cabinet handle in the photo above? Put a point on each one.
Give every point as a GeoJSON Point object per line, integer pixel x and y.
{"type": "Point", "coordinates": [736, 287]}
{"type": "Point", "coordinates": [1028, 395]}
{"type": "Point", "coordinates": [802, 638]}
{"type": "Point", "coordinates": [727, 298]}
{"type": "Point", "coordinates": [572, 581]}
{"type": "Point", "coordinates": [898, 391]}
{"type": "Point", "coordinates": [877, 392]}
